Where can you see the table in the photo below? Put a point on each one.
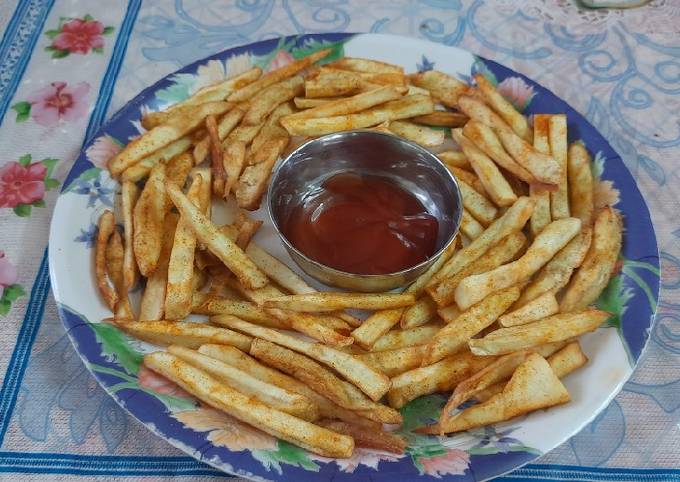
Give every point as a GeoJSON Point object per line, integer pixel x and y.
{"type": "Point", "coordinates": [619, 68]}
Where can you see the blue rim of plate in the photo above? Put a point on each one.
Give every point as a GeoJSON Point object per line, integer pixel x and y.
{"type": "Point", "coordinates": [635, 321]}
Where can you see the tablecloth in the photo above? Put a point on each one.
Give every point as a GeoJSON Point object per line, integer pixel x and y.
{"type": "Point", "coordinates": [67, 65]}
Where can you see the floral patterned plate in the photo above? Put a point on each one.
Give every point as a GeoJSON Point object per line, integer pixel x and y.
{"type": "Point", "coordinates": [227, 444]}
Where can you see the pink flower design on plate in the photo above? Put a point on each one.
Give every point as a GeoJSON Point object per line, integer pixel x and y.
{"type": "Point", "coordinates": [281, 59]}
{"type": "Point", "coordinates": [516, 91]}
{"type": "Point", "coordinates": [453, 462]}
{"type": "Point", "coordinates": [21, 184]}
{"type": "Point", "coordinates": [79, 36]}
{"type": "Point", "coordinates": [153, 381]}
{"type": "Point", "coordinates": [8, 272]}
{"type": "Point", "coordinates": [102, 149]}
{"type": "Point", "coordinates": [59, 101]}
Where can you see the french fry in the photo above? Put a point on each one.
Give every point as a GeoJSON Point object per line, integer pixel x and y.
{"type": "Point", "coordinates": [444, 88]}
{"type": "Point", "coordinates": [139, 171]}
{"type": "Point", "coordinates": [271, 97]}
{"type": "Point", "coordinates": [350, 105]}
{"type": "Point", "coordinates": [274, 422]}
{"type": "Point", "coordinates": [234, 160]}
{"type": "Point", "coordinates": [475, 108]}
{"type": "Point", "coordinates": [395, 339]}
{"type": "Point", "coordinates": [580, 183]}
{"type": "Point", "coordinates": [130, 193]}
{"type": "Point", "coordinates": [557, 133]}
{"type": "Point", "coordinates": [533, 386]}
{"type": "Point", "coordinates": [366, 65]}
{"type": "Point", "coordinates": [542, 166]}
{"type": "Point", "coordinates": [188, 334]}
{"type": "Point", "coordinates": [312, 326]}
{"type": "Point", "coordinates": [394, 362]}
{"type": "Point", "coordinates": [504, 108]}
{"type": "Point", "coordinates": [469, 178]}
{"type": "Point", "coordinates": [363, 437]}
{"type": "Point", "coordinates": [177, 170]}
{"type": "Point", "coordinates": [331, 301]}
{"type": "Point", "coordinates": [216, 157]}
{"type": "Point", "coordinates": [420, 313]}
{"type": "Point", "coordinates": [556, 274]}
{"type": "Point", "coordinates": [277, 271]}
{"type": "Point", "coordinates": [162, 135]}
{"type": "Point", "coordinates": [220, 245]}
{"type": "Point", "coordinates": [476, 204]}
{"type": "Point", "coordinates": [247, 227]}
{"type": "Point", "coordinates": [598, 266]}
{"type": "Point", "coordinates": [272, 127]}
{"type": "Point", "coordinates": [178, 293]}
{"type": "Point", "coordinates": [454, 158]}
{"type": "Point", "coordinates": [115, 255]}
{"type": "Point", "coordinates": [270, 78]}
{"type": "Point", "coordinates": [554, 328]}
{"type": "Point", "coordinates": [424, 136]}
{"type": "Point", "coordinates": [441, 118]}
{"type": "Point", "coordinates": [305, 103]}
{"type": "Point", "coordinates": [332, 84]}
{"type": "Point", "coordinates": [469, 226]}
{"type": "Point", "coordinates": [243, 309]}
{"type": "Point", "coordinates": [372, 383]}
{"type": "Point", "coordinates": [541, 307]}
{"type": "Point", "coordinates": [552, 239]}
{"type": "Point", "coordinates": [403, 108]}
{"type": "Point", "coordinates": [322, 380]}
{"type": "Point", "coordinates": [253, 181]}
{"type": "Point", "coordinates": [494, 183]}
{"type": "Point", "coordinates": [148, 216]}
{"type": "Point", "coordinates": [439, 377]}
{"type": "Point", "coordinates": [454, 336]}
{"type": "Point", "coordinates": [376, 326]}
{"type": "Point", "coordinates": [541, 216]}
{"type": "Point", "coordinates": [241, 381]}
{"type": "Point", "coordinates": [152, 306]}
{"type": "Point", "coordinates": [244, 134]}
{"type": "Point", "coordinates": [226, 126]}
{"type": "Point", "coordinates": [449, 313]}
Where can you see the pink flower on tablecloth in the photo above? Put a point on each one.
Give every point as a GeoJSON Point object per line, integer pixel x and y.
{"type": "Point", "coordinates": [153, 381]}
{"type": "Point", "coordinates": [281, 59]}
{"type": "Point", "coordinates": [21, 184]}
{"type": "Point", "coordinates": [516, 91]}
{"type": "Point", "coordinates": [8, 272]}
{"type": "Point", "coordinates": [79, 36]}
{"type": "Point", "coordinates": [57, 101]}
{"type": "Point", "coordinates": [453, 462]}
{"type": "Point", "coordinates": [102, 149]}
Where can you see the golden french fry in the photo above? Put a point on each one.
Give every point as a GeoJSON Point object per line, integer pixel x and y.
{"type": "Point", "coordinates": [115, 256]}
{"type": "Point", "coordinates": [454, 336]}
{"type": "Point", "coordinates": [476, 204]}
{"type": "Point", "coordinates": [179, 291]}
{"type": "Point", "coordinates": [438, 377]}
{"type": "Point", "coordinates": [556, 274]}
{"type": "Point", "coordinates": [219, 244]}
{"type": "Point", "coordinates": [271, 97]}
{"type": "Point", "coordinates": [376, 326]}
{"type": "Point", "coordinates": [155, 119]}
{"type": "Point", "coordinates": [504, 108]}
{"type": "Point", "coordinates": [271, 395]}
{"type": "Point", "coordinates": [454, 158]}
{"type": "Point", "coordinates": [394, 362]}
{"type": "Point", "coordinates": [331, 301]}
{"type": "Point", "coordinates": [274, 422]}
{"type": "Point", "coordinates": [449, 313]}
{"type": "Point", "coordinates": [234, 160]}
{"type": "Point", "coordinates": [148, 218]}
{"type": "Point", "coordinates": [368, 438]}
{"type": "Point", "coordinates": [311, 326]}
{"type": "Point", "coordinates": [424, 136]}
{"type": "Point", "coordinates": [557, 134]}
{"type": "Point", "coordinates": [469, 178]}
{"type": "Point", "coordinates": [395, 339]}
{"type": "Point", "coordinates": [177, 170]}
{"type": "Point", "coordinates": [541, 307]}
{"type": "Point", "coordinates": [552, 239]}
{"type": "Point", "coordinates": [580, 182]}
{"type": "Point", "coordinates": [440, 118]}
{"type": "Point", "coordinates": [254, 179]}
{"type": "Point", "coordinates": [541, 217]}
{"type": "Point", "coordinates": [469, 226]}
{"type": "Point", "coordinates": [372, 383]}
{"type": "Point", "coordinates": [226, 126]}
{"type": "Point", "coordinates": [366, 65]}
{"type": "Point", "coordinates": [139, 171]}
{"type": "Point", "coordinates": [598, 266]}
{"type": "Point", "coordinates": [243, 309]}
{"type": "Point", "coordinates": [554, 328]}
{"type": "Point", "coordinates": [322, 380]}
{"type": "Point", "coordinates": [542, 166]}
{"type": "Point", "coordinates": [305, 103]}
{"type": "Point", "coordinates": [244, 133]}
{"type": "Point", "coordinates": [152, 305]}
{"type": "Point", "coordinates": [247, 227]}
{"type": "Point", "coordinates": [272, 127]}
{"type": "Point", "coordinates": [216, 157]}
{"type": "Point", "coordinates": [129, 195]}
{"type": "Point", "coordinates": [475, 108]}
{"type": "Point", "coordinates": [191, 335]}
{"type": "Point", "coordinates": [420, 313]}
{"type": "Point", "coordinates": [332, 84]}
{"type": "Point", "coordinates": [403, 108]}
{"type": "Point", "coordinates": [444, 88]}
{"type": "Point", "coordinates": [350, 105]}
{"type": "Point", "coordinates": [277, 271]}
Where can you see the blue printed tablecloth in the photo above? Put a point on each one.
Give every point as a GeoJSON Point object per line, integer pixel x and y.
{"type": "Point", "coordinates": [67, 65]}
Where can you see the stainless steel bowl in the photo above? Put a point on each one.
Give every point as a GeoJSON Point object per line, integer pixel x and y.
{"type": "Point", "coordinates": [365, 152]}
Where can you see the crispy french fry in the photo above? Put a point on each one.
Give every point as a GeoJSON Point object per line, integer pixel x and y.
{"type": "Point", "coordinates": [243, 309]}
{"type": "Point", "coordinates": [542, 166]}
{"type": "Point", "coordinates": [504, 108]}
{"type": "Point", "coordinates": [312, 326]}
{"type": "Point", "coordinates": [247, 227]}
{"type": "Point", "coordinates": [395, 339]}
{"type": "Point", "coordinates": [139, 171]}
{"type": "Point", "coordinates": [394, 362]}
{"type": "Point", "coordinates": [476, 204]}
{"type": "Point", "coordinates": [420, 313]}
{"type": "Point", "coordinates": [271, 97]}
{"type": "Point", "coordinates": [475, 108]}
{"type": "Point", "coordinates": [598, 266]}
{"type": "Point", "coordinates": [350, 105]}
{"type": "Point", "coordinates": [403, 108]}
{"type": "Point", "coordinates": [469, 178]}
{"type": "Point", "coordinates": [271, 395]}
{"type": "Point", "coordinates": [449, 313]}
{"type": "Point", "coordinates": [580, 183]}
{"type": "Point", "coordinates": [440, 118]}
{"type": "Point", "coordinates": [541, 216]}
{"type": "Point", "coordinates": [226, 126]}
{"type": "Point", "coordinates": [220, 245]}
{"type": "Point", "coordinates": [274, 422]}
{"type": "Point", "coordinates": [372, 383]}
{"type": "Point", "coordinates": [557, 133]}
{"type": "Point", "coordinates": [541, 307]}
{"type": "Point", "coordinates": [234, 160]}
{"type": "Point", "coordinates": [454, 158]}
{"type": "Point", "coordinates": [366, 65]}
{"type": "Point", "coordinates": [332, 84]}
{"type": "Point", "coordinates": [422, 135]}
{"type": "Point", "coordinates": [244, 133]}
{"type": "Point", "coordinates": [152, 306]}
{"type": "Point", "coordinates": [454, 336]}
{"type": "Point", "coordinates": [253, 181]}
{"type": "Point", "coordinates": [177, 170]}
{"type": "Point", "coordinates": [216, 157]}
{"type": "Point", "coordinates": [363, 437]}
{"type": "Point", "coordinates": [272, 127]}
{"type": "Point", "coordinates": [305, 103]}
{"type": "Point", "coordinates": [444, 88]}
{"type": "Point", "coordinates": [552, 239]}
{"type": "Point", "coordinates": [469, 226]}
{"type": "Point", "coordinates": [148, 216]}
{"type": "Point", "coordinates": [277, 271]}
{"type": "Point", "coordinates": [554, 328]}
{"type": "Point", "coordinates": [331, 301]}
{"type": "Point", "coordinates": [178, 293]}
{"type": "Point", "coordinates": [115, 256]}
{"type": "Point", "coordinates": [130, 193]}
{"type": "Point", "coordinates": [438, 377]}
{"type": "Point", "coordinates": [191, 335]}
{"type": "Point", "coordinates": [376, 326]}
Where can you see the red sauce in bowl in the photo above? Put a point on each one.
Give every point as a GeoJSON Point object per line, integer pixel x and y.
{"type": "Point", "coordinates": [363, 224]}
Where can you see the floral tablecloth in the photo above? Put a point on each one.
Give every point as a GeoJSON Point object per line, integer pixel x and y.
{"type": "Point", "coordinates": [67, 65]}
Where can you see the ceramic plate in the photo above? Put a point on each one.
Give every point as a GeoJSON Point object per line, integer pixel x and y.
{"type": "Point", "coordinates": [225, 443]}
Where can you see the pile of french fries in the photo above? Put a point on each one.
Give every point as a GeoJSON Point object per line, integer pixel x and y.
{"type": "Point", "coordinates": [495, 319]}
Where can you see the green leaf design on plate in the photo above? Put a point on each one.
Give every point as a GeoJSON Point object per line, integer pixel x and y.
{"type": "Point", "coordinates": [421, 411]}
{"type": "Point", "coordinates": [10, 294]}
{"type": "Point", "coordinates": [286, 453]}
{"type": "Point", "coordinates": [178, 91]}
{"type": "Point", "coordinates": [311, 46]}
{"type": "Point", "coordinates": [23, 110]}
{"type": "Point", "coordinates": [22, 210]}
{"type": "Point", "coordinates": [172, 403]}
{"type": "Point", "coordinates": [479, 67]}
{"type": "Point", "coordinates": [86, 175]}
{"type": "Point", "coordinates": [116, 345]}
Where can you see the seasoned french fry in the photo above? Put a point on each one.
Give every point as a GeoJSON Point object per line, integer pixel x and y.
{"type": "Point", "coordinates": [363, 437]}
{"type": "Point", "coordinates": [247, 227]}
{"type": "Point", "coordinates": [177, 170]}
{"type": "Point", "coordinates": [420, 313]}
{"type": "Point", "coordinates": [449, 313]}
{"type": "Point", "coordinates": [504, 108]}
{"type": "Point", "coordinates": [376, 326]}
{"type": "Point", "coordinates": [311, 326]}
{"type": "Point", "coordinates": [226, 126]}
{"type": "Point", "coordinates": [413, 132]}
{"type": "Point", "coordinates": [580, 183]}
{"type": "Point", "coordinates": [444, 88]}
{"type": "Point", "coordinates": [115, 255]}
{"type": "Point", "coordinates": [253, 181]}
{"type": "Point", "coordinates": [243, 309]}
{"type": "Point", "coordinates": [274, 422]}
{"type": "Point", "coordinates": [541, 216]}
{"type": "Point", "coordinates": [268, 99]}
{"type": "Point", "coordinates": [216, 157]}
{"type": "Point", "coordinates": [148, 218]}
{"type": "Point", "coordinates": [372, 383]}
{"type": "Point", "coordinates": [139, 171]}
{"type": "Point", "coordinates": [350, 105]}
{"type": "Point", "coordinates": [305, 103]}
{"type": "Point", "coordinates": [191, 335]}
{"type": "Point", "coordinates": [554, 328]}
{"type": "Point", "coordinates": [331, 301]}
{"type": "Point", "coordinates": [234, 160]}
{"type": "Point", "coordinates": [394, 362]}
{"type": "Point", "coordinates": [130, 193]}
{"type": "Point", "coordinates": [271, 395]}
{"type": "Point", "coordinates": [440, 118]}
{"type": "Point", "coordinates": [541, 307]}
{"type": "Point", "coordinates": [454, 336]}
{"type": "Point", "coordinates": [469, 226]}
{"type": "Point", "coordinates": [277, 271]}
{"type": "Point", "coordinates": [557, 133]}
{"type": "Point", "coordinates": [366, 65]}
{"type": "Point", "coordinates": [542, 166]}
{"type": "Point", "coordinates": [469, 178]}
{"type": "Point", "coordinates": [395, 339]}
{"type": "Point", "coordinates": [476, 204]}
{"type": "Point", "coordinates": [220, 245]}
{"type": "Point", "coordinates": [598, 266]}
{"type": "Point", "coordinates": [332, 84]}
{"type": "Point", "coordinates": [552, 239]}
{"type": "Point", "coordinates": [476, 109]}
{"type": "Point", "coordinates": [272, 127]}
{"type": "Point", "coordinates": [454, 158]}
